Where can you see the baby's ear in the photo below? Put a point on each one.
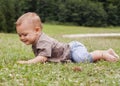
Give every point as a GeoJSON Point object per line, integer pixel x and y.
{"type": "Point", "coordinates": [37, 29]}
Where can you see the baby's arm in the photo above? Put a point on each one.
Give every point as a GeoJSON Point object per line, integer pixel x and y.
{"type": "Point", "coordinates": [37, 59]}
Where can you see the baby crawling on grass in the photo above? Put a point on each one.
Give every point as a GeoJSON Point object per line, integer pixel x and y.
{"type": "Point", "coordinates": [47, 49]}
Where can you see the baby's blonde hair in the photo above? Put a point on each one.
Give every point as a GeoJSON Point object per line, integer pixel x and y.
{"type": "Point", "coordinates": [31, 17]}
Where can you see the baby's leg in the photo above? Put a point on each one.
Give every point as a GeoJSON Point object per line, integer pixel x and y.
{"type": "Point", "coordinates": [108, 55]}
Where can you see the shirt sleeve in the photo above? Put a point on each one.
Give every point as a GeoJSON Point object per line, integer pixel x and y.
{"type": "Point", "coordinates": [44, 49]}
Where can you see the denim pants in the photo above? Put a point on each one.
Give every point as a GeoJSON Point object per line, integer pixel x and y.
{"type": "Point", "coordinates": [79, 52]}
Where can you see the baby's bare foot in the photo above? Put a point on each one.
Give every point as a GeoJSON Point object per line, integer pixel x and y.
{"type": "Point", "coordinates": [112, 52]}
{"type": "Point", "coordinates": [109, 57]}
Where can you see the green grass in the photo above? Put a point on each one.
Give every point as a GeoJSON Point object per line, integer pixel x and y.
{"type": "Point", "coordinates": [101, 73]}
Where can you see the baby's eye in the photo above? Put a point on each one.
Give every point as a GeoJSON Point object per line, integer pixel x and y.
{"type": "Point", "coordinates": [25, 34]}
{"type": "Point", "coordinates": [19, 35]}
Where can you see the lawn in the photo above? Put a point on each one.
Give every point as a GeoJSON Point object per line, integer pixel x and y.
{"type": "Point", "coordinates": [101, 73]}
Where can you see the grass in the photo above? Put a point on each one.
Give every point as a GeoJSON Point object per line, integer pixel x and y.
{"type": "Point", "coordinates": [101, 73]}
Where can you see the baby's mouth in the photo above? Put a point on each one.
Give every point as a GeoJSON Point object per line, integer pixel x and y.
{"type": "Point", "coordinates": [24, 41]}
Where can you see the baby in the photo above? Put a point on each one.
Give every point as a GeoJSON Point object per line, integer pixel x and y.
{"type": "Point", "coordinates": [47, 49]}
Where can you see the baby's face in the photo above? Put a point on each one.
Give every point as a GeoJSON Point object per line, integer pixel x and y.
{"type": "Point", "coordinates": [27, 33]}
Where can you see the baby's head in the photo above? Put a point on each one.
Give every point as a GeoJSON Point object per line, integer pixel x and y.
{"type": "Point", "coordinates": [29, 27]}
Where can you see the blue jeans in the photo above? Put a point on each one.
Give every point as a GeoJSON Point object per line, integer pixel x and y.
{"type": "Point", "coordinates": [79, 52]}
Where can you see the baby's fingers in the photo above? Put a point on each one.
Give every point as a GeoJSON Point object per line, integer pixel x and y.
{"type": "Point", "coordinates": [22, 62]}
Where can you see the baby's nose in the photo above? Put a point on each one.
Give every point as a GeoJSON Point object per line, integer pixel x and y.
{"type": "Point", "coordinates": [22, 38]}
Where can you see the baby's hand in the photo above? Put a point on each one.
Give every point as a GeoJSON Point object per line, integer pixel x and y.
{"type": "Point", "coordinates": [22, 62]}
